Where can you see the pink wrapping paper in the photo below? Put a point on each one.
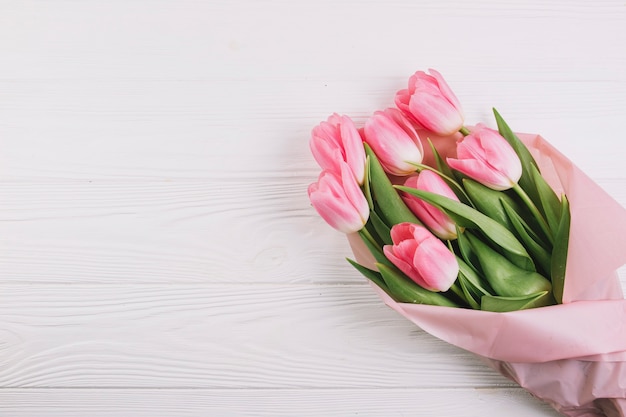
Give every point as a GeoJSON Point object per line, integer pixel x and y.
{"type": "Point", "coordinates": [571, 355]}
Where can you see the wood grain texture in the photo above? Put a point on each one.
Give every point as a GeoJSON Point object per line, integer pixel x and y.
{"type": "Point", "coordinates": [260, 230]}
{"type": "Point", "coordinates": [270, 403]}
{"type": "Point", "coordinates": [158, 254]}
{"type": "Point", "coordinates": [168, 130]}
{"type": "Point", "coordinates": [188, 88]}
{"type": "Point", "coordinates": [247, 336]}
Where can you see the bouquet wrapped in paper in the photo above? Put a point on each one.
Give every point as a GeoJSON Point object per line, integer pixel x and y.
{"type": "Point", "coordinates": [492, 241]}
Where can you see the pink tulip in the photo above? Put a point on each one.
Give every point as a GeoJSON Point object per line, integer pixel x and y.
{"type": "Point", "coordinates": [437, 221]}
{"type": "Point", "coordinates": [339, 200]}
{"type": "Point", "coordinates": [422, 257]}
{"type": "Point", "coordinates": [431, 104]}
{"type": "Point", "coordinates": [487, 157]}
{"type": "Point", "coordinates": [338, 140]}
{"type": "Point", "coordinates": [394, 141]}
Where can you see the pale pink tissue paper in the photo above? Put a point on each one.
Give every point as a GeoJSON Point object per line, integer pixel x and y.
{"type": "Point", "coordinates": [571, 355]}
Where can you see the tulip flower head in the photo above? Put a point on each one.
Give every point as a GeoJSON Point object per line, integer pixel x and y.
{"type": "Point", "coordinates": [394, 141]}
{"type": "Point", "coordinates": [338, 140]}
{"type": "Point", "coordinates": [339, 200]}
{"type": "Point", "coordinates": [429, 102]}
{"type": "Point", "coordinates": [487, 157]}
{"type": "Point", "coordinates": [437, 221]}
{"type": "Point", "coordinates": [422, 257]}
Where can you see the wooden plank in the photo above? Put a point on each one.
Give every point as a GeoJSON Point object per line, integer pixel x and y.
{"type": "Point", "coordinates": [169, 130]}
{"type": "Point", "coordinates": [193, 39]}
{"type": "Point", "coordinates": [159, 103]}
{"type": "Point", "coordinates": [211, 336]}
{"type": "Point", "coordinates": [260, 230]}
{"type": "Point", "coordinates": [270, 402]}
{"type": "Point", "coordinates": [157, 252]}
{"type": "Point", "coordinates": [188, 231]}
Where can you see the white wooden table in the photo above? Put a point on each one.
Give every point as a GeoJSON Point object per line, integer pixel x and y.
{"type": "Point", "coordinates": [158, 254]}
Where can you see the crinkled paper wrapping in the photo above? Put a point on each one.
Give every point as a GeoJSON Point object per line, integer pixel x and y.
{"type": "Point", "coordinates": [571, 355]}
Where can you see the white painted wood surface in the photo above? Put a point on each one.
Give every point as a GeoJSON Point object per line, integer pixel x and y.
{"type": "Point", "coordinates": [158, 255]}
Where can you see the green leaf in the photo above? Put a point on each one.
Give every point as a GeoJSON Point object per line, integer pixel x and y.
{"type": "Point", "coordinates": [390, 205]}
{"type": "Point", "coordinates": [470, 218]}
{"type": "Point", "coordinates": [374, 249]}
{"type": "Point", "coordinates": [405, 290]}
{"type": "Point", "coordinates": [467, 292]}
{"type": "Point", "coordinates": [371, 230]}
{"type": "Point", "coordinates": [478, 283]}
{"type": "Point", "coordinates": [370, 274]}
{"type": "Point", "coordinates": [382, 229]}
{"type": "Point", "coordinates": [457, 294]}
{"type": "Point", "coordinates": [549, 203]}
{"type": "Point", "coordinates": [466, 250]}
{"type": "Point", "coordinates": [503, 304]}
{"type": "Point", "coordinates": [487, 201]}
{"type": "Point", "coordinates": [529, 238]}
{"type": "Point", "coordinates": [472, 284]}
{"type": "Point", "coordinates": [531, 181]}
{"type": "Point", "coordinates": [559, 253]}
{"type": "Point", "coordinates": [504, 277]}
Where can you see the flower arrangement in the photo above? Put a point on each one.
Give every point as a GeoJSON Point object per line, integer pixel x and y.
{"type": "Point", "coordinates": [484, 238]}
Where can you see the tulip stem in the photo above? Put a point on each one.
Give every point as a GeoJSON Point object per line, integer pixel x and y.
{"type": "Point", "coordinates": [458, 291]}
{"type": "Point", "coordinates": [464, 131]}
{"type": "Point", "coordinates": [369, 236]}
{"type": "Point", "coordinates": [535, 211]}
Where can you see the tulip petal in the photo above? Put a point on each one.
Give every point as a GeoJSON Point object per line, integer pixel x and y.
{"type": "Point", "coordinates": [436, 220]}
{"type": "Point", "coordinates": [430, 102]}
{"type": "Point", "coordinates": [325, 153]}
{"type": "Point", "coordinates": [330, 199]}
{"type": "Point", "coordinates": [337, 215]}
{"type": "Point", "coordinates": [353, 145]}
{"type": "Point", "coordinates": [404, 124]}
{"type": "Point", "coordinates": [422, 82]}
{"type": "Point", "coordinates": [481, 173]}
{"type": "Point", "coordinates": [405, 250]}
{"type": "Point", "coordinates": [446, 90]}
{"type": "Point", "coordinates": [338, 140]}
{"type": "Point", "coordinates": [500, 154]}
{"type": "Point", "coordinates": [435, 113]}
{"type": "Point", "coordinates": [421, 234]}
{"type": "Point", "coordinates": [431, 181]}
{"type": "Point", "coordinates": [437, 265]}
{"type": "Point", "coordinates": [396, 150]}
{"type": "Point", "coordinates": [415, 251]}
{"type": "Point", "coordinates": [401, 101]}
{"type": "Point", "coordinates": [493, 157]}
{"type": "Point", "coordinates": [403, 265]}
{"type": "Point", "coordinates": [401, 232]}
{"type": "Point", "coordinates": [353, 192]}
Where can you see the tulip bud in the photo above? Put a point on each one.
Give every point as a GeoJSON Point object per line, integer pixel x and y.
{"type": "Point", "coordinates": [437, 221]}
{"type": "Point", "coordinates": [338, 140]}
{"type": "Point", "coordinates": [422, 257]}
{"type": "Point", "coordinates": [487, 157]}
{"type": "Point", "coordinates": [431, 104]}
{"type": "Point", "coordinates": [394, 141]}
{"type": "Point", "coordinates": [339, 200]}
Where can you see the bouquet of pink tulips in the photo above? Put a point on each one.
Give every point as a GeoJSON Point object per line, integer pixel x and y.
{"type": "Point", "coordinates": [484, 238]}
